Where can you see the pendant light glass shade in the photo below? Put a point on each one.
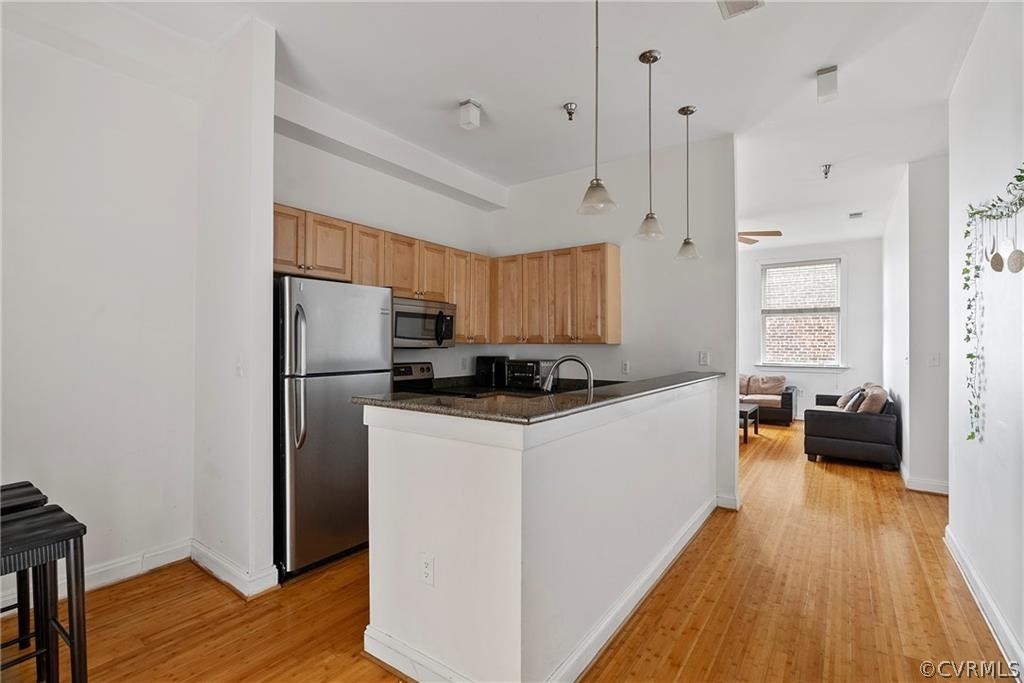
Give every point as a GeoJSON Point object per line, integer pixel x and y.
{"type": "Point", "coordinates": [650, 228]}
{"type": "Point", "coordinates": [596, 200]}
{"type": "Point", "coordinates": [687, 250]}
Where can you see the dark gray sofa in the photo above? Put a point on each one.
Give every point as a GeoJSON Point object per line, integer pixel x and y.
{"type": "Point", "coordinates": [868, 437]}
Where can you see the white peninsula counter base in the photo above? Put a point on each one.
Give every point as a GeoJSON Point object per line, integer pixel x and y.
{"type": "Point", "coordinates": [513, 552]}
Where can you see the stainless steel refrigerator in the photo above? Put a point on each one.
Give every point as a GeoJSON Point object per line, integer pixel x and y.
{"type": "Point", "coordinates": [333, 342]}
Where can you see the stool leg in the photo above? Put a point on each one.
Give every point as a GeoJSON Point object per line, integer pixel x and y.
{"type": "Point", "coordinates": [24, 596]}
{"type": "Point", "coordinates": [52, 636]}
{"type": "Point", "coordinates": [41, 607]}
{"type": "Point", "coordinates": [76, 609]}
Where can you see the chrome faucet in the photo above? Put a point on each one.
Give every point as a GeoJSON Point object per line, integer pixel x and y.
{"type": "Point", "coordinates": [549, 381]}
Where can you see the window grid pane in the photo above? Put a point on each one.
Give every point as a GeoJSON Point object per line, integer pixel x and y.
{"type": "Point", "coordinates": [801, 338]}
{"type": "Point", "coordinates": [801, 285]}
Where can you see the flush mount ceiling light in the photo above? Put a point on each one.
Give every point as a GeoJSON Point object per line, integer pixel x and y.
{"type": "Point", "coordinates": [688, 248]}
{"type": "Point", "coordinates": [734, 8]}
{"type": "Point", "coordinates": [596, 200]}
{"type": "Point", "coordinates": [650, 228]}
{"type": "Point", "coordinates": [828, 84]}
{"type": "Point", "coordinates": [469, 114]}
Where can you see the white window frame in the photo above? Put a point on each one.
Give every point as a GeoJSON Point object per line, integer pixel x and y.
{"type": "Point", "coordinates": [840, 310]}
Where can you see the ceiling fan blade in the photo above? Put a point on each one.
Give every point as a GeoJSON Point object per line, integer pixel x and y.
{"type": "Point", "coordinates": [761, 233]}
{"type": "Point", "coordinates": [746, 240]}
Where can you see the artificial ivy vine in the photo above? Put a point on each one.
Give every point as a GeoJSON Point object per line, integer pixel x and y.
{"type": "Point", "coordinates": [977, 216]}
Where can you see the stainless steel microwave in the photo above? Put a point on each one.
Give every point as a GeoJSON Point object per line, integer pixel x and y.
{"type": "Point", "coordinates": [421, 324]}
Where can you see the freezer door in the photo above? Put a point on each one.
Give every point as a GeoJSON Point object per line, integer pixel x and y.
{"type": "Point", "coordinates": [331, 327]}
{"type": "Point", "coordinates": [325, 469]}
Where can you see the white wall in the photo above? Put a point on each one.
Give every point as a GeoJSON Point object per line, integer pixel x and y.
{"type": "Point", "coordinates": [927, 467]}
{"type": "Point", "coordinates": [861, 333]}
{"type": "Point", "coordinates": [896, 309]}
{"type": "Point", "coordinates": [233, 534]}
{"type": "Point", "coordinates": [100, 215]}
{"type": "Point", "coordinates": [671, 309]}
{"type": "Point", "coordinates": [986, 508]}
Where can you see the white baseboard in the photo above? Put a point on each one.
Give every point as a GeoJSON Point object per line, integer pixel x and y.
{"type": "Point", "coordinates": [405, 658]}
{"type": "Point", "coordinates": [119, 569]}
{"type": "Point", "coordinates": [1013, 649]}
{"type": "Point", "coordinates": [927, 485]}
{"type": "Point", "coordinates": [585, 652]}
{"type": "Point", "coordinates": [226, 570]}
{"type": "Point", "coordinates": [728, 502]}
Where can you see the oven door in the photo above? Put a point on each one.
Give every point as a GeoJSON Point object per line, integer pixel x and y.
{"type": "Point", "coordinates": [423, 324]}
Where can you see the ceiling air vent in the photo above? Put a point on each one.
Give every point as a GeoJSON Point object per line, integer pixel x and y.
{"type": "Point", "coordinates": [732, 8]}
{"type": "Point", "coordinates": [856, 214]}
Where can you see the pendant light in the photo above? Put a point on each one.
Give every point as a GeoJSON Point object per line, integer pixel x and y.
{"type": "Point", "coordinates": [688, 248]}
{"type": "Point", "coordinates": [650, 228]}
{"type": "Point", "coordinates": [596, 200]}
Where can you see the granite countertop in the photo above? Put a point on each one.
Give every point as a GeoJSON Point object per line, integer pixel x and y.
{"type": "Point", "coordinates": [517, 408]}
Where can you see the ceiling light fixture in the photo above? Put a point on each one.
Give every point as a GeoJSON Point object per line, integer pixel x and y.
{"type": "Point", "coordinates": [828, 84]}
{"type": "Point", "coordinates": [570, 109]}
{"type": "Point", "coordinates": [688, 248]}
{"type": "Point", "coordinates": [826, 169]}
{"type": "Point", "coordinates": [596, 200]}
{"type": "Point", "coordinates": [733, 8]}
{"type": "Point", "coordinates": [469, 114]}
{"type": "Point", "coordinates": [650, 228]}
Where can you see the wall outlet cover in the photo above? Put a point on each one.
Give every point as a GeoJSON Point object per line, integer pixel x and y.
{"type": "Point", "coordinates": [425, 568]}
{"type": "Point", "coordinates": [625, 367]}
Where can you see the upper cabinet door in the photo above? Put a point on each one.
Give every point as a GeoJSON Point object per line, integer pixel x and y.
{"type": "Point", "coordinates": [367, 256]}
{"type": "Point", "coordinates": [328, 247]}
{"type": "Point", "coordinates": [562, 296]}
{"type": "Point", "coordinates": [433, 265]}
{"type": "Point", "coordinates": [461, 282]}
{"type": "Point", "coordinates": [598, 299]}
{"type": "Point", "coordinates": [535, 298]}
{"type": "Point", "coordinates": [289, 240]}
{"type": "Point", "coordinates": [507, 300]}
{"type": "Point", "coordinates": [401, 265]}
{"type": "Point", "coordinates": [479, 299]}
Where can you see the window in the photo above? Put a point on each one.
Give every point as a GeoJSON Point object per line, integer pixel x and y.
{"type": "Point", "coordinates": [800, 313]}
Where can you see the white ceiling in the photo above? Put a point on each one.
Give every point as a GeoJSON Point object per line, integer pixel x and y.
{"type": "Point", "coordinates": [405, 66]}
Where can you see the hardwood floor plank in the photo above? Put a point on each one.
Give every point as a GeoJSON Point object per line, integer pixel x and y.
{"type": "Point", "coordinates": [832, 571]}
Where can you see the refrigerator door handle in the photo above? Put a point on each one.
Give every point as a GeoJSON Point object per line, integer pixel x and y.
{"type": "Point", "coordinates": [300, 339]}
{"type": "Point", "coordinates": [300, 412]}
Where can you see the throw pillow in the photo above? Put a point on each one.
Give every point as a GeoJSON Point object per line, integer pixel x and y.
{"type": "Point", "coordinates": [855, 402]}
{"type": "Point", "coordinates": [767, 384]}
{"type": "Point", "coordinates": [874, 400]}
{"type": "Point", "coordinates": [845, 398]}
{"type": "Point", "coordinates": [744, 381]}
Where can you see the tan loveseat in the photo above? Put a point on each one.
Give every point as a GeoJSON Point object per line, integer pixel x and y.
{"type": "Point", "coordinates": [774, 399]}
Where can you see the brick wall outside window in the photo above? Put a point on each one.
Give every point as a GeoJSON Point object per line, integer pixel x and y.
{"type": "Point", "coordinates": [800, 313]}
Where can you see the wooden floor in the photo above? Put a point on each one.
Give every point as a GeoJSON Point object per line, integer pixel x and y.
{"type": "Point", "coordinates": [830, 572]}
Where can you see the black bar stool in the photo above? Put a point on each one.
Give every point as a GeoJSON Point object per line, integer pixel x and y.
{"type": "Point", "coordinates": [35, 539]}
{"type": "Point", "coordinates": [21, 495]}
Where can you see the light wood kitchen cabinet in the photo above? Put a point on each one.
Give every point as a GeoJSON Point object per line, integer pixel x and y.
{"type": "Point", "coordinates": [598, 299]}
{"type": "Point", "coordinates": [535, 298]}
{"type": "Point", "coordinates": [367, 256]}
{"type": "Point", "coordinates": [328, 247]}
{"type": "Point", "coordinates": [433, 271]}
{"type": "Point", "coordinates": [479, 299]}
{"type": "Point", "coordinates": [461, 294]}
{"type": "Point", "coordinates": [507, 300]}
{"type": "Point", "coordinates": [289, 240]}
{"type": "Point", "coordinates": [401, 265]}
{"type": "Point", "coordinates": [562, 296]}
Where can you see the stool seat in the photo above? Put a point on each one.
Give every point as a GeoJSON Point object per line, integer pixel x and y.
{"type": "Point", "coordinates": [32, 537]}
{"type": "Point", "coordinates": [21, 495]}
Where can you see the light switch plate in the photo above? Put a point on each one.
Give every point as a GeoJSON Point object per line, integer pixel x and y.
{"type": "Point", "coordinates": [704, 358]}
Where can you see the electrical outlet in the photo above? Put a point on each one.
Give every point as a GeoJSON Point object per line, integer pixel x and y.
{"type": "Point", "coordinates": [704, 358]}
{"type": "Point", "coordinates": [465, 363]}
{"type": "Point", "coordinates": [625, 367]}
{"type": "Point", "coordinates": [935, 360]}
{"type": "Point", "coordinates": [426, 568]}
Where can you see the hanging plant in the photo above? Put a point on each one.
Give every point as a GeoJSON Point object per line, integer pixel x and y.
{"type": "Point", "coordinates": [995, 210]}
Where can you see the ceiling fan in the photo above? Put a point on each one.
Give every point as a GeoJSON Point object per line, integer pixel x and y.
{"type": "Point", "coordinates": [746, 236]}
